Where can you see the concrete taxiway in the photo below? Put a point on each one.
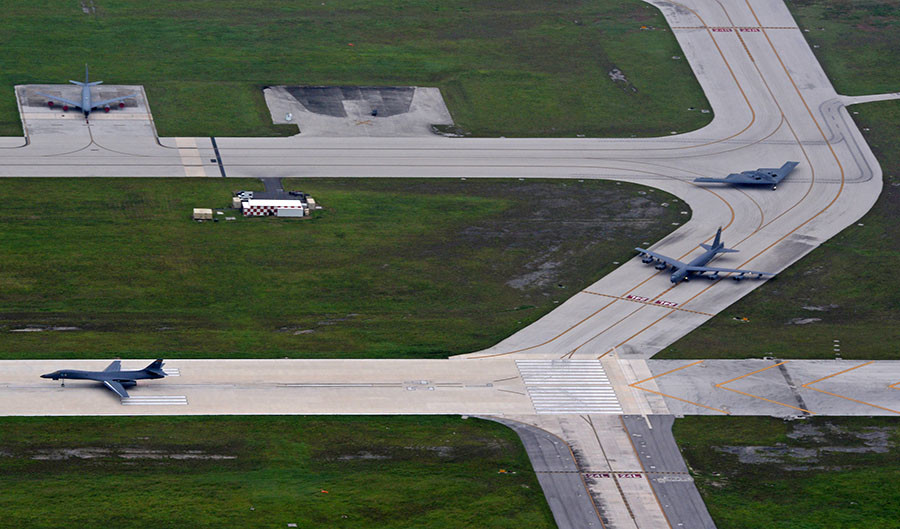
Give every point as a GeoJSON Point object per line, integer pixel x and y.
{"type": "Point", "coordinates": [772, 103]}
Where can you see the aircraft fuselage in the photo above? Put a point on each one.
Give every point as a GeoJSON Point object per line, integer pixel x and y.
{"type": "Point", "coordinates": [701, 260]}
{"type": "Point", "coordinates": [77, 374]}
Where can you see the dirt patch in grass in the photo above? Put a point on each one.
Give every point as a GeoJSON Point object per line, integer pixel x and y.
{"type": "Point", "coordinates": [818, 472]}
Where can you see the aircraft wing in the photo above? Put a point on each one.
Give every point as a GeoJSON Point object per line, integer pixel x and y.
{"type": "Point", "coordinates": [115, 366]}
{"type": "Point", "coordinates": [716, 180]}
{"type": "Point", "coordinates": [735, 178]}
{"type": "Point", "coordinates": [116, 387]}
{"type": "Point", "coordinates": [668, 260]}
{"type": "Point", "coordinates": [114, 100]}
{"type": "Point", "coordinates": [727, 270]}
{"type": "Point", "coordinates": [780, 173]}
{"type": "Point", "coordinates": [63, 100]}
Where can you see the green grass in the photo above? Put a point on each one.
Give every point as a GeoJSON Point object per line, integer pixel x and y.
{"type": "Point", "coordinates": [820, 473]}
{"type": "Point", "coordinates": [853, 275]}
{"type": "Point", "coordinates": [856, 42]}
{"type": "Point", "coordinates": [514, 68]}
{"type": "Point", "coordinates": [401, 472]}
{"type": "Point", "coordinates": [390, 268]}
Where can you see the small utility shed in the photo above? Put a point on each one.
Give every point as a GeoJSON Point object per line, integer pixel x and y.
{"type": "Point", "coordinates": [203, 214]}
{"type": "Point", "coordinates": [270, 207]}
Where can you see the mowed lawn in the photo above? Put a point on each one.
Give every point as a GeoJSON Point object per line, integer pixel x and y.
{"type": "Point", "coordinates": [848, 286]}
{"type": "Point", "coordinates": [349, 472]}
{"type": "Point", "coordinates": [389, 268]}
{"type": "Point", "coordinates": [513, 68]}
{"type": "Point", "coordinates": [817, 473]}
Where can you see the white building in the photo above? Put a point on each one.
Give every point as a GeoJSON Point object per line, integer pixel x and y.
{"type": "Point", "coordinates": [269, 207]}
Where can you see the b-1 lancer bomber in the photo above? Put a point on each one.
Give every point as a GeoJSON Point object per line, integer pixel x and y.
{"type": "Point", "coordinates": [112, 377]}
{"type": "Point", "coordinates": [764, 176]}
{"type": "Point", "coordinates": [87, 104]}
{"type": "Point", "coordinates": [684, 271]}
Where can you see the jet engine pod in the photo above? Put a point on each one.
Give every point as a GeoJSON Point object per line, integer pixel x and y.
{"type": "Point", "coordinates": [106, 108]}
{"type": "Point", "coordinates": [65, 108]}
{"type": "Point", "coordinates": [50, 104]}
{"type": "Point", "coordinates": [660, 266]}
{"type": "Point", "coordinates": [121, 104]}
{"type": "Point", "coordinates": [647, 260]}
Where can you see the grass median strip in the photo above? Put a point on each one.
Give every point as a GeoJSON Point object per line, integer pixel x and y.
{"type": "Point", "coordinates": [390, 268]}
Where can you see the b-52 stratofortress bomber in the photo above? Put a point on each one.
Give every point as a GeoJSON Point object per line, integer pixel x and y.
{"type": "Point", "coordinates": [112, 377]}
{"type": "Point", "coordinates": [764, 176]}
{"type": "Point", "coordinates": [684, 271]}
{"type": "Point", "coordinates": [87, 104]}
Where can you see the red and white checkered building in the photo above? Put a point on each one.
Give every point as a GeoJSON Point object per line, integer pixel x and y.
{"type": "Point", "coordinates": [264, 207]}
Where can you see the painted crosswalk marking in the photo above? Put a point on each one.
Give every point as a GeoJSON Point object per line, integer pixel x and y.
{"type": "Point", "coordinates": [568, 386]}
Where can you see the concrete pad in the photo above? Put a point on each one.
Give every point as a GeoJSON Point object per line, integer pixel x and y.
{"type": "Point", "coordinates": [347, 111]}
{"type": "Point", "coordinates": [122, 142]}
{"type": "Point", "coordinates": [778, 388]}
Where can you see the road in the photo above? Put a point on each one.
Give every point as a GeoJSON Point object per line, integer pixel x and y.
{"type": "Point", "coordinates": [772, 103]}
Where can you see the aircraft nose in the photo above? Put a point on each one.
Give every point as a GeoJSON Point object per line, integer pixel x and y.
{"type": "Point", "coordinates": [48, 375]}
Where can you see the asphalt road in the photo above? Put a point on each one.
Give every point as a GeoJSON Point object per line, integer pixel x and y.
{"type": "Point", "coordinates": [668, 475]}
{"type": "Point", "coordinates": [559, 476]}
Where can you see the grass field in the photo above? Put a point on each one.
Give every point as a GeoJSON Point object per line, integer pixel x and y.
{"type": "Point", "coordinates": [819, 473]}
{"type": "Point", "coordinates": [856, 42]}
{"type": "Point", "coordinates": [390, 268]}
{"type": "Point", "coordinates": [402, 472]}
{"type": "Point", "coordinates": [523, 68]}
{"type": "Point", "coordinates": [850, 281]}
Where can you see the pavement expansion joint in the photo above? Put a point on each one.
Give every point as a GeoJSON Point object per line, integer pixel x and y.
{"type": "Point", "coordinates": [637, 385]}
{"type": "Point", "coordinates": [721, 385]}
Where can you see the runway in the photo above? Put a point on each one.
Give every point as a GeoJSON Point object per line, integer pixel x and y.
{"type": "Point", "coordinates": [772, 103]}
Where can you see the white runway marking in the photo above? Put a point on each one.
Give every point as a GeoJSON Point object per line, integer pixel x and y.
{"type": "Point", "coordinates": [173, 372]}
{"type": "Point", "coordinates": [156, 400]}
{"type": "Point", "coordinates": [568, 386]}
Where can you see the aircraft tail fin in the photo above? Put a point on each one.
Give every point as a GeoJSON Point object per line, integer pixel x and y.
{"type": "Point", "coordinates": [87, 79]}
{"type": "Point", "coordinates": [156, 367]}
{"type": "Point", "coordinates": [717, 245]}
{"type": "Point", "coordinates": [717, 242]}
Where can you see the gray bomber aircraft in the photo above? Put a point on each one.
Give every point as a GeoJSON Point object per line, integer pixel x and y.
{"type": "Point", "coordinates": [764, 176]}
{"type": "Point", "coordinates": [112, 377]}
{"type": "Point", "coordinates": [684, 271]}
{"type": "Point", "coordinates": [87, 104]}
